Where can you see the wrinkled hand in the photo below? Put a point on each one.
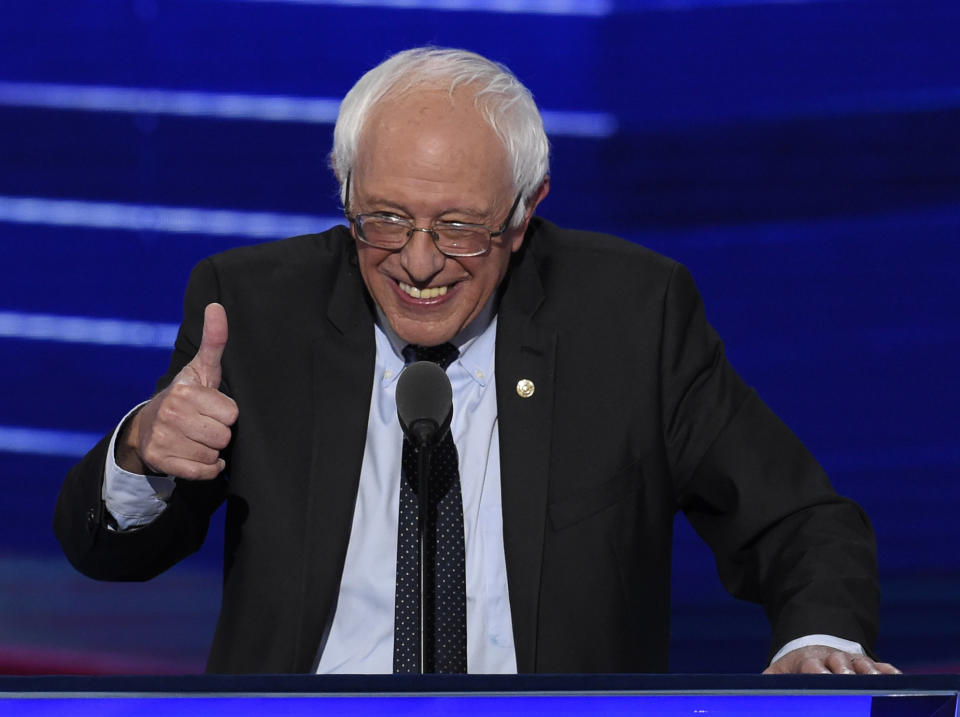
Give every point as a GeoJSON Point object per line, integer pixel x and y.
{"type": "Point", "coordinates": [821, 660]}
{"type": "Point", "coordinates": [182, 429]}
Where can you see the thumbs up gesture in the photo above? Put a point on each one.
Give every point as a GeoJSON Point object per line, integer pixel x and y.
{"type": "Point", "coordinates": [181, 430]}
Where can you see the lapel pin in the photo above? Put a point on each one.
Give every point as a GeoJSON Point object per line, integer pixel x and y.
{"type": "Point", "coordinates": [525, 388]}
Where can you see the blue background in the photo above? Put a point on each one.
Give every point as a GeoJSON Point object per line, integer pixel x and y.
{"type": "Point", "coordinates": [801, 158]}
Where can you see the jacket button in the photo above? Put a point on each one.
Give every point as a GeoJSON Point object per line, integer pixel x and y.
{"type": "Point", "coordinates": [91, 520]}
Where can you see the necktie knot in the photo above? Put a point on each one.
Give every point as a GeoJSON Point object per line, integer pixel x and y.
{"type": "Point", "coordinates": [442, 355]}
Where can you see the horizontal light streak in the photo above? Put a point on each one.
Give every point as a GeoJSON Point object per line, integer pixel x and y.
{"type": "Point", "coordinates": [87, 330]}
{"type": "Point", "coordinates": [234, 106]}
{"type": "Point", "coordinates": [583, 8]}
{"type": "Point", "coordinates": [579, 124]}
{"type": "Point", "coordinates": [158, 218]}
{"type": "Point", "coordinates": [185, 103]}
{"type": "Point", "coordinates": [45, 441]}
{"type": "Point", "coordinates": [595, 8]}
{"type": "Point", "coordinates": [640, 5]}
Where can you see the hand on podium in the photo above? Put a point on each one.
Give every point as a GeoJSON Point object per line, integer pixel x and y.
{"type": "Point", "coordinates": [822, 660]}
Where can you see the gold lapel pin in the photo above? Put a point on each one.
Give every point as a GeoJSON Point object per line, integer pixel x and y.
{"type": "Point", "coordinates": [525, 388]}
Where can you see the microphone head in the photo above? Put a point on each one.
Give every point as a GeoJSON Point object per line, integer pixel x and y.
{"type": "Point", "coordinates": [424, 402]}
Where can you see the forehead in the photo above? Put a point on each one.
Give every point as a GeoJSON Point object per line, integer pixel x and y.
{"type": "Point", "coordinates": [428, 135]}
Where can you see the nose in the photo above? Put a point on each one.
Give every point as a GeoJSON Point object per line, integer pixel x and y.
{"type": "Point", "coordinates": [420, 257]}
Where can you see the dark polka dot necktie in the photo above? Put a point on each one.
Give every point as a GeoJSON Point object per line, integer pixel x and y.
{"type": "Point", "coordinates": [445, 554]}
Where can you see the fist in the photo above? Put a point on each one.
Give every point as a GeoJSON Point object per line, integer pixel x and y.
{"type": "Point", "coordinates": [182, 429]}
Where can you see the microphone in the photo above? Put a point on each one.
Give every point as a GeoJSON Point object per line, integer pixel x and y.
{"type": "Point", "coordinates": [424, 407]}
{"type": "Point", "coordinates": [424, 403]}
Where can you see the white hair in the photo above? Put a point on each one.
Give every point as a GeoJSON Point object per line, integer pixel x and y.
{"type": "Point", "coordinates": [501, 98]}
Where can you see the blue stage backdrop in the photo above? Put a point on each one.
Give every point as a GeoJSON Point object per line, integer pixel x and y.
{"type": "Point", "coordinates": [801, 158]}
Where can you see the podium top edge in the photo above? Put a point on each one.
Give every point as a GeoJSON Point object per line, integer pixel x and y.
{"type": "Point", "coordinates": [395, 685]}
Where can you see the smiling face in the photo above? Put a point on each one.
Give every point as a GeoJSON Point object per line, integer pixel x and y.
{"type": "Point", "coordinates": [426, 159]}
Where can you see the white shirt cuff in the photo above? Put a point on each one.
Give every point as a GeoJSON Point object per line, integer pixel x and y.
{"type": "Point", "coordinates": [133, 500]}
{"type": "Point", "coordinates": [838, 643]}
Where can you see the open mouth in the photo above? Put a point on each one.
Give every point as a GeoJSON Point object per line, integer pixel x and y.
{"type": "Point", "coordinates": [429, 293]}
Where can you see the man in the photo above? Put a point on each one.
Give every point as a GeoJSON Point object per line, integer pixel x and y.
{"type": "Point", "coordinates": [591, 402]}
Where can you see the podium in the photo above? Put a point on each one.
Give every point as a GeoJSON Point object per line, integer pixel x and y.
{"type": "Point", "coordinates": [511, 695]}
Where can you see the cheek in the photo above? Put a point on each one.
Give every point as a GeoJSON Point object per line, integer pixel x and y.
{"type": "Point", "coordinates": [370, 261]}
{"type": "Point", "coordinates": [486, 277]}
{"type": "Point", "coordinates": [496, 268]}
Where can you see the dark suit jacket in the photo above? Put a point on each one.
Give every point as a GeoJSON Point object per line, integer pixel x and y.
{"type": "Point", "coordinates": [636, 414]}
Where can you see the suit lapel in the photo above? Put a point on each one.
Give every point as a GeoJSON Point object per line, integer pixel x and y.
{"type": "Point", "coordinates": [343, 364]}
{"type": "Point", "coordinates": [525, 352]}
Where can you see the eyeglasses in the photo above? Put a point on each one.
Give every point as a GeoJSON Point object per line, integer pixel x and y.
{"type": "Point", "coordinates": [457, 239]}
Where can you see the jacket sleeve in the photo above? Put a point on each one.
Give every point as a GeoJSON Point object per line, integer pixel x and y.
{"type": "Point", "coordinates": [780, 534]}
{"type": "Point", "coordinates": [81, 521]}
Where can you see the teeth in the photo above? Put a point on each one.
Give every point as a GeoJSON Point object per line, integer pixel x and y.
{"type": "Point", "coordinates": [431, 293]}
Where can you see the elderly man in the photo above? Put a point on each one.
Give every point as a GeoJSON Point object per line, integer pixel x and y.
{"type": "Point", "coordinates": [591, 402]}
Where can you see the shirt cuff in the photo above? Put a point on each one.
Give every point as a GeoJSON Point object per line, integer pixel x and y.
{"type": "Point", "coordinates": [133, 500]}
{"type": "Point", "coordinates": [838, 643]}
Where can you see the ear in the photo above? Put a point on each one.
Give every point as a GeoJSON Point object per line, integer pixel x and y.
{"type": "Point", "coordinates": [538, 196]}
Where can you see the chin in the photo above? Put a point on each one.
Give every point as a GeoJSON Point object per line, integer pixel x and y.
{"type": "Point", "coordinates": [414, 332]}
{"type": "Point", "coordinates": [427, 339]}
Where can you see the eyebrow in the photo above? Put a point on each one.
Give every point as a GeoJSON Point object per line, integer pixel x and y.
{"type": "Point", "coordinates": [390, 205]}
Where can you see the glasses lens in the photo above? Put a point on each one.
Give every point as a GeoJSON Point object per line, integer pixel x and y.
{"type": "Point", "coordinates": [383, 232]}
{"type": "Point", "coordinates": [461, 240]}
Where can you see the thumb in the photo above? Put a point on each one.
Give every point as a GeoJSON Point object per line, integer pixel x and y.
{"type": "Point", "coordinates": [207, 361]}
